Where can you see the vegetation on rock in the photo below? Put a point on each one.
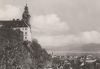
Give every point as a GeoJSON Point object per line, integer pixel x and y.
{"type": "Point", "coordinates": [14, 52]}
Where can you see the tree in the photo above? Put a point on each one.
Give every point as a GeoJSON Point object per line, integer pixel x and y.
{"type": "Point", "coordinates": [16, 52]}
{"type": "Point", "coordinates": [12, 50]}
{"type": "Point", "coordinates": [38, 55]}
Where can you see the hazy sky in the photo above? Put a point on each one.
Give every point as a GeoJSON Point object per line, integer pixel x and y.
{"type": "Point", "coordinates": [58, 22]}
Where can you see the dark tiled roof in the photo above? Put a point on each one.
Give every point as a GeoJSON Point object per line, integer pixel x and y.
{"type": "Point", "coordinates": [13, 23]}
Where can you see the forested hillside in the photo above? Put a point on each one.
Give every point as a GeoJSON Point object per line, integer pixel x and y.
{"type": "Point", "coordinates": [16, 53]}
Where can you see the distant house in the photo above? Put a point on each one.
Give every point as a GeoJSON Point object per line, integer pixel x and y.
{"type": "Point", "coordinates": [21, 24]}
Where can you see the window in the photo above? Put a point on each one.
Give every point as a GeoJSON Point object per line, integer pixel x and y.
{"type": "Point", "coordinates": [25, 28]}
{"type": "Point", "coordinates": [25, 37]}
{"type": "Point", "coordinates": [25, 32]}
{"type": "Point", "coordinates": [22, 28]}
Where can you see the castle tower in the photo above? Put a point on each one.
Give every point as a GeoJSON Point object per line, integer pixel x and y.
{"type": "Point", "coordinates": [26, 16]}
{"type": "Point", "coordinates": [26, 19]}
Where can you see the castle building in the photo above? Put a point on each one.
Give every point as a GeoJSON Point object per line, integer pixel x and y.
{"type": "Point", "coordinates": [21, 24]}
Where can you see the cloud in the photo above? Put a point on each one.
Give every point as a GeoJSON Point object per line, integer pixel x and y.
{"type": "Point", "coordinates": [90, 37]}
{"type": "Point", "coordinates": [50, 30]}
{"type": "Point", "coordinates": [65, 40]}
{"type": "Point", "coordinates": [47, 28]}
{"type": "Point", "coordinates": [9, 12]}
{"type": "Point", "coordinates": [55, 41]}
{"type": "Point", "coordinates": [83, 15]}
{"type": "Point", "coordinates": [49, 25]}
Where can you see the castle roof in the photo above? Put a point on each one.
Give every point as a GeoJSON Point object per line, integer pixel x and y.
{"type": "Point", "coordinates": [24, 22]}
{"type": "Point", "coordinates": [13, 23]}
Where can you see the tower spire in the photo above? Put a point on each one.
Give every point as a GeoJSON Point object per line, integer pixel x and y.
{"type": "Point", "coordinates": [26, 4]}
{"type": "Point", "coordinates": [26, 15]}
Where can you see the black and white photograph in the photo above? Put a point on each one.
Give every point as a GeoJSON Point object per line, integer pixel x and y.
{"type": "Point", "coordinates": [49, 34]}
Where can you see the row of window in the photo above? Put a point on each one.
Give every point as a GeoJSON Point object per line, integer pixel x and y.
{"type": "Point", "coordinates": [24, 28]}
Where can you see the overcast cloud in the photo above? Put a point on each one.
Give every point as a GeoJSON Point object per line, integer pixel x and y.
{"type": "Point", "coordinates": [51, 31]}
{"type": "Point", "coordinates": [9, 12]}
